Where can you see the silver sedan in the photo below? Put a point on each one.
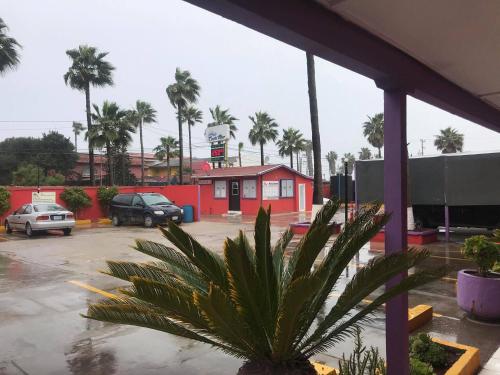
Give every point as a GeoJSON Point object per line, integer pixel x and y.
{"type": "Point", "coordinates": [31, 218]}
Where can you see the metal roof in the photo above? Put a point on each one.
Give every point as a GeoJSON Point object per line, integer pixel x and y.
{"type": "Point", "coordinates": [252, 171]}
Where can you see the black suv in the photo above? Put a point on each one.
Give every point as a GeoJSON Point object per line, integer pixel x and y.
{"type": "Point", "coordinates": [148, 209]}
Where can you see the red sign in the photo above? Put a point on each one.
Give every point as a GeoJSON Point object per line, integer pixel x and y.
{"type": "Point", "coordinates": [218, 152]}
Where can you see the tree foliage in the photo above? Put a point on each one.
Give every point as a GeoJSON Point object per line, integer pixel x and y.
{"type": "Point", "coordinates": [373, 130]}
{"type": "Point", "coordinates": [4, 200]}
{"type": "Point", "coordinates": [350, 159]}
{"type": "Point", "coordinates": [449, 141]}
{"type": "Point", "coordinates": [264, 129]}
{"type": "Point", "coordinates": [105, 195]}
{"type": "Point", "coordinates": [482, 251]}
{"type": "Point", "coordinates": [252, 302]}
{"type": "Point", "coordinates": [365, 154]}
{"type": "Point", "coordinates": [76, 199]}
{"type": "Point", "coordinates": [223, 117]}
{"type": "Point", "coordinates": [9, 49]}
{"type": "Point", "coordinates": [331, 158]}
{"type": "Point", "coordinates": [291, 141]}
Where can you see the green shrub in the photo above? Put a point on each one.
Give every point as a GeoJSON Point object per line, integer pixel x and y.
{"type": "Point", "coordinates": [54, 180]}
{"type": "Point", "coordinates": [105, 195]}
{"type": "Point", "coordinates": [4, 200]}
{"type": "Point", "coordinates": [483, 251]}
{"type": "Point", "coordinates": [418, 367]}
{"type": "Point", "coordinates": [424, 349]}
{"type": "Point", "coordinates": [76, 199]}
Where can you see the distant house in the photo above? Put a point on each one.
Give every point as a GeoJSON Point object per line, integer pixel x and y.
{"type": "Point", "coordinates": [245, 189]}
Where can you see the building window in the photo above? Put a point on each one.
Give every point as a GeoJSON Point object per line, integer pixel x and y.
{"type": "Point", "coordinates": [220, 189]}
{"type": "Point", "coordinates": [270, 190]}
{"type": "Point", "coordinates": [249, 188]}
{"type": "Point", "coordinates": [286, 188]}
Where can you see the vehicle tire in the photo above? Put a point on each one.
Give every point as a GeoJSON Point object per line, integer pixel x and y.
{"type": "Point", "coordinates": [67, 231]}
{"type": "Point", "coordinates": [115, 221]}
{"type": "Point", "coordinates": [148, 221]}
{"type": "Point", "coordinates": [29, 230]}
{"type": "Point", "coordinates": [8, 229]}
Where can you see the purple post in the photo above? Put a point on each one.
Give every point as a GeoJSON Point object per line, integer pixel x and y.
{"type": "Point", "coordinates": [395, 164]}
{"type": "Point", "coordinates": [447, 223]}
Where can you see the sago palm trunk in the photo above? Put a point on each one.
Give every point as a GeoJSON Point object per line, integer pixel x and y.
{"type": "Point", "coordinates": [239, 156]}
{"type": "Point", "coordinates": [379, 153]}
{"type": "Point", "coordinates": [168, 165]}
{"type": "Point", "coordinates": [298, 168]}
{"type": "Point", "coordinates": [76, 146]}
{"type": "Point", "coordinates": [181, 152]}
{"type": "Point", "coordinates": [109, 154]}
{"type": "Point", "coordinates": [291, 159]}
{"type": "Point", "coordinates": [89, 129]}
{"type": "Point", "coordinates": [261, 153]}
{"type": "Point", "coordinates": [316, 139]}
{"type": "Point", "coordinates": [190, 150]}
{"type": "Point", "coordinates": [142, 152]}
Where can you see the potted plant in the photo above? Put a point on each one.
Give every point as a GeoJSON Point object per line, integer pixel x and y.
{"type": "Point", "coordinates": [254, 303]}
{"type": "Point", "coordinates": [478, 291]}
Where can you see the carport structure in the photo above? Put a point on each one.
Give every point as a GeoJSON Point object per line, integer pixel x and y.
{"type": "Point", "coordinates": [444, 53]}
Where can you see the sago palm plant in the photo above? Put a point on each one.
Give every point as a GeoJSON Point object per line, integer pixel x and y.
{"type": "Point", "coordinates": [253, 302]}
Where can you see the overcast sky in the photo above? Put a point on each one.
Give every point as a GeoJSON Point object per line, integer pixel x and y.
{"type": "Point", "coordinates": [236, 67]}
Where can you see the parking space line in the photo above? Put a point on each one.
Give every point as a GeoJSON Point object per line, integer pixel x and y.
{"type": "Point", "coordinates": [93, 289]}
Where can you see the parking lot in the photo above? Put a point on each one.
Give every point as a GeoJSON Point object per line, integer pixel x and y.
{"type": "Point", "coordinates": [48, 280]}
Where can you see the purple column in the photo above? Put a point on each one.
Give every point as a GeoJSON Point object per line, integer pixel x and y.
{"type": "Point", "coordinates": [395, 164]}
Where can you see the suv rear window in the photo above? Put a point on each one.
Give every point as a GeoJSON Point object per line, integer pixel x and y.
{"type": "Point", "coordinates": [124, 199]}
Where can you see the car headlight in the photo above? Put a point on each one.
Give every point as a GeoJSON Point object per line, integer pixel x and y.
{"type": "Point", "coordinates": [158, 212]}
{"type": "Point", "coordinates": [182, 211]}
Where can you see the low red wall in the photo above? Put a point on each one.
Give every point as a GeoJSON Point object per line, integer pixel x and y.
{"type": "Point", "coordinates": [180, 194]}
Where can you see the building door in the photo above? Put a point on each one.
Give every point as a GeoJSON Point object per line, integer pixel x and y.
{"type": "Point", "coordinates": [302, 197]}
{"type": "Point", "coordinates": [234, 195]}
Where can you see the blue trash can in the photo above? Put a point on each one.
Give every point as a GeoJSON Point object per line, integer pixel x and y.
{"type": "Point", "coordinates": [188, 214]}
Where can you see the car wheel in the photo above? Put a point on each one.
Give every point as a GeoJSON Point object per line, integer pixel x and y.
{"type": "Point", "coordinates": [29, 230]}
{"type": "Point", "coordinates": [115, 221]}
{"type": "Point", "coordinates": [8, 229]}
{"type": "Point", "coordinates": [148, 221]}
{"type": "Point", "coordinates": [67, 231]}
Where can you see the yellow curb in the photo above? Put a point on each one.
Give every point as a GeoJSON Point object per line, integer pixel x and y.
{"type": "Point", "coordinates": [467, 364]}
{"type": "Point", "coordinates": [419, 316]}
{"type": "Point", "coordinates": [104, 220]}
{"type": "Point", "coordinates": [84, 222]}
{"type": "Point", "coordinates": [93, 289]}
{"type": "Point", "coordinates": [322, 369]}
{"type": "Point", "coordinates": [2, 229]}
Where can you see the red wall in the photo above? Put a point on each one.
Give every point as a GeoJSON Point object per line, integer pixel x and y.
{"type": "Point", "coordinates": [212, 206]}
{"type": "Point", "coordinates": [180, 194]}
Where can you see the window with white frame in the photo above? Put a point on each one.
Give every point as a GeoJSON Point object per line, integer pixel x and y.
{"type": "Point", "coordinates": [220, 189]}
{"type": "Point", "coordinates": [270, 190]}
{"type": "Point", "coordinates": [249, 188]}
{"type": "Point", "coordinates": [286, 188]}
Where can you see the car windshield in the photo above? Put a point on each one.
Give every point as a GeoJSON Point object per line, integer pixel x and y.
{"type": "Point", "coordinates": [48, 207]}
{"type": "Point", "coordinates": [155, 199]}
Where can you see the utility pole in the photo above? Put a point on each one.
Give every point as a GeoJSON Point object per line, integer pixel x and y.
{"type": "Point", "coordinates": [422, 141]}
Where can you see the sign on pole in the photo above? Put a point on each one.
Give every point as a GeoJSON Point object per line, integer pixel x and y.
{"type": "Point", "coordinates": [219, 133]}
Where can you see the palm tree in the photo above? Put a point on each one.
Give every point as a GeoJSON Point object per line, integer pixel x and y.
{"type": "Point", "coordinates": [373, 129]}
{"type": "Point", "coordinates": [143, 113]}
{"type": "Point", "coordinates": [184, 91]}
{"type": "Point", "coordinates": [365, 154]}
{"type": "Point", "coordinates": [9, 54]}
{"type": "Point", "coordinates": [449, 141]}
{"type": "Point", "coordinates": [291, 141]}
{"type": "Point", "coordinates": [331, 158]}
{"type": "Point", "coordinates": [300, 145]}
{"type": "Point", "coordinates": [251, 302]}
{"type": "Point", "coordinates": [223, 117]}
{"type": "Point", "coordinates": [191, 115]}
{"type": "Point", "coordinates": [308, 148]}
{"type": "Point", "coordinates": [315, 136]}
{"type": "Point", "coordinates": [121, 143]}
{"type": "Point", "coordinates": [77, 129]}
{"type": "Point", "coordinates": [240, 147]}
{"type": "Point", "coordinates": [263, 130]}
{"type": "Point", "coordinates": [88, 68]}
{"type": "Point", "coordinates": [105, 129]}
{"type": "Point", "coordinates": [168, 148]}
{"type": "Point", "coordinates": [350, 159]}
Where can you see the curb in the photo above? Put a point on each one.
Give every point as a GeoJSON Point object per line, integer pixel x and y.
{"type": "Point", "coordinates": [83, 222]}
{"type": "Point", "coordinates": [419, 316]}
{"type": "Point", "coordinates": [104, 220]}
{"type": "Point", "coordinates": [467, 364]}
{"type": "Point", "coordinates": [322, 369]}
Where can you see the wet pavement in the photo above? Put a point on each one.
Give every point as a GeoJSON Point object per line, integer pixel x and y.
{"type": "Point", "coordinates": [43, 284]}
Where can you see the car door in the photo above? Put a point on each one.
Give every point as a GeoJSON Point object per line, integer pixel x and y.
{"type": "Point", "coordinates": [17, 217]}
{"type": "Point", "coordinates": [137, 210]}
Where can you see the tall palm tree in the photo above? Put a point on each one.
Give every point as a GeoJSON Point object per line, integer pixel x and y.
{"type": "Point", "coordinates": [365, 154]}
{"type": "Point", "coordinates": [350, 159]}
{"type": "Point", "coordinates": [121, 143]}
{"type": "Point", "coordinates": [263, 130]}
{"type": "Point", "coordinates": [373, 130]}
{"type": "Point", "coordinates": [240, 147]}
{"type": "Point", "coordinates": [331, 158]}
{"type": "Point", "coordinates": [191, 115]}
{"type": "Point", "coordinates": [9, 49]}
{"type": "Point", "coordinates": [104, 131]}
{"type": "Point", "coordinates": [449, 141]}
{"type": "Point", "coordinates": [223, 117]}
{"type": "Point", "coordinates": [183, 92]}
{"type": "Point", "coordinates": [315, 136]}
{"type": "Point", "coordinates": [143, 113]}
{"type": "Point", "coordinates": [88, 68]}
{"type": "Point", "coordinates": [308, 148]}
{"type": "Point", "coordinates": [77, 129]}
{"type": "Point", "coordinates": [290, 141]}
{"type": "Point", "coordinates": [168, 148]}
{"type": "Point", "coordinates": [254, 303]}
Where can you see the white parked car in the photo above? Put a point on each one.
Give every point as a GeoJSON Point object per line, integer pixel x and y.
{"type": "Point", "coordinates": [31, 218]}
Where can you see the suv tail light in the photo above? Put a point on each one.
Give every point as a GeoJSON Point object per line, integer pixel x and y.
{"type": "Point", "coordinates": [42, 218]}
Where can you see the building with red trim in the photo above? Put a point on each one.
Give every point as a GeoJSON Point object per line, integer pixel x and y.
{"type": "Point", "coordinates": [245, 189]}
